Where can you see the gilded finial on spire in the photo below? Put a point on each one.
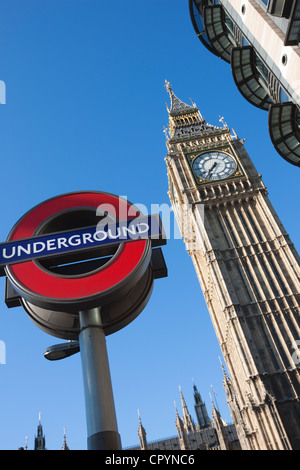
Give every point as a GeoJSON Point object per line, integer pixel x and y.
{"type": "Point", "coordinates": [168, 86]}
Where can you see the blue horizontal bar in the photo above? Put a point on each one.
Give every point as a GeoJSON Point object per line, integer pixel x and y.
{"type": "Point", "coordinates": [49, 245]}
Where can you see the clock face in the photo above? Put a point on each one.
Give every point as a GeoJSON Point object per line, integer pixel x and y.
{"type": "Point", "coordinates": [214, 165]}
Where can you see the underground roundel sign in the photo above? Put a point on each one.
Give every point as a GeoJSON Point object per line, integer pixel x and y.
{"type": "Point", "coordinates": [59, 257]}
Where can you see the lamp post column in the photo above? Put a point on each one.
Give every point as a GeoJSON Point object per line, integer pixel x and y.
{"type": "Point", "coordinates": [99, 402]}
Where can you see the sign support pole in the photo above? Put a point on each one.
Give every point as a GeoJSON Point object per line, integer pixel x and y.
{"type": "Point", "coordinates": [99, 402]}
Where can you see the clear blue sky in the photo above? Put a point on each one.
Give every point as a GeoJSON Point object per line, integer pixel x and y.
{"type": "Point", "coordinates": [85, 110]}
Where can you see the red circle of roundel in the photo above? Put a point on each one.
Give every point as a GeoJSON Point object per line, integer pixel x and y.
{"type": "Point", "coordinates": [43, 283]}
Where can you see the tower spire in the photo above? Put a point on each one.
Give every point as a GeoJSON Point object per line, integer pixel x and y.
{"type": "Point", "coordinates": [142, 434]}
{"type": "Point", "coordinates": [181, 431]}
{"type": "Point", "coordinates": [201, 411]}
{"type": "Point", "coordinates": [177, 106]}
{"type": "Point", "coordinates": [187, 419]}
{"type": "Point", "coordinates": [185, 120]}
{"type": "Point", "coordinates": [40, 440]}
{"type": "Point", "coordinates": [65, 445]}
{"type": "Point", "coordinates": [220, 427]}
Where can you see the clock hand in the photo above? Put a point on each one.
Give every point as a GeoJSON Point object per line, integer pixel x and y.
{"type": "Point", "coordinates": [216, 166]}
{"type": "Point", "coordinates": [211, 169]}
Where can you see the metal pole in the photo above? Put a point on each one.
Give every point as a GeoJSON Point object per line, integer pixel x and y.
{"type": "Point", "coordinates": [99, 402]}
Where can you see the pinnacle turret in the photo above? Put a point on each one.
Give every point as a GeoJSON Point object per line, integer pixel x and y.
{"type": "Point", "coordinates": [142, 434]}
{"type": "Point", "coordinates": [65, 445]}
{"type": "Point", "coordinates": [187, 419]}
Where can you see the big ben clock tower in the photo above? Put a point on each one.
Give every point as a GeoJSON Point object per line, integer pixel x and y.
{"type": "Point", "coordinates": [248, 270]}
